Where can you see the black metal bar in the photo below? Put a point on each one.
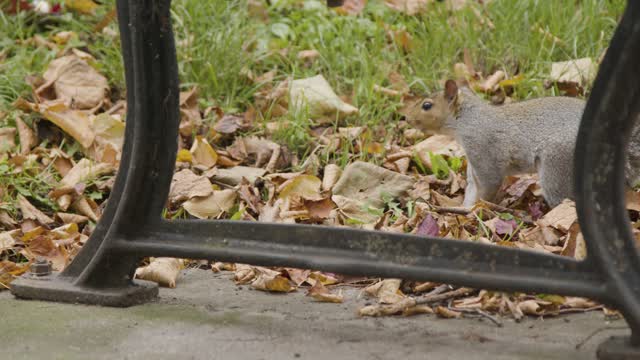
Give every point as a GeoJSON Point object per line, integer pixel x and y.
{"type": "Point", "coordinates": [611, 112]}
{"type": "Point", "coordinates": [131, 226]}
{"type": "Point", "coordinates": [359, 252]}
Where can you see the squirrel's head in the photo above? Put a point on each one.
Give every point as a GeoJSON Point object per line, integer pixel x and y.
{"type": "Point", "coordinates": [430, 114]}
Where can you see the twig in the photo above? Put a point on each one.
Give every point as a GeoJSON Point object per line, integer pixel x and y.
{"type": "Point", "coordinates": [479, 312]}
{"type": "Point", "coordinates": [440, 297]}
{"type": "Point", "coordinates": [453, 210]}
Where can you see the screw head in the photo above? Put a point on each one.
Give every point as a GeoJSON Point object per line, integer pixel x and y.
{"type": "Point", "coordinates": [40, 267]}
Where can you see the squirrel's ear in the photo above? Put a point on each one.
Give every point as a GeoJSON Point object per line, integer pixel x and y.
{"type": "Point", "coordinates": [450, 90]}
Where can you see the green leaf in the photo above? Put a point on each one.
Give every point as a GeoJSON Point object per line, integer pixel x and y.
{"type": "Point", "coordinates": [439, 166]}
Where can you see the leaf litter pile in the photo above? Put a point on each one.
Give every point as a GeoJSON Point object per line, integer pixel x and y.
{"type": "Point", "coordinates": [59, 156]}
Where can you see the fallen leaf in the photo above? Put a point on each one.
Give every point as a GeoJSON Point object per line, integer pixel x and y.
{"type": "Point", "coordinates": [233, 176]}
{"type": "Point", "coordinates": [365, 185]}
{"type": "Point", "coordinates": [321, 293]}
{"type": "Point", "coordinates": [387, 291]}
{"type": "Point", "coordinates": [84, 171]}
{"type": "Point", "coordinates": [43, 246]}
{"type": "Point", "coordinates": [187, 185]}
{"type": "Point", "coordinates": [82, 6]}
{"type": "Point", "coordinates": [163, 271]}
{"type": "Point", "coordinates": [437, 145]}
{"type": "Point", "coordinates": [562, 216]}
{"type": "Point", "coordinates": [331, 176]}
{"type": "Point", "coordinates": [319, 210]}
{"type": "Point", "coordinates": [30, 212]}
{"type": "Point", "coordinates": [203, 153]}
{"type": "Point", "coordinates": [269, 280]}
{"type": "Point", "coordinates": [211, 206]}
{"type": "Point", "coordinates": [351, 7]}
{"type": "Point", "coordinates": [315, 96]}
{"type": "Point", "coordinates": [306, 187]}
{"type": "Point", "coordinates": [71, 218]}
{"type": "Point", "coordinates": [308, 55]}
{"type": "Point", "coordinates": [428, 227]}
{"type": "Point", "coordinates": [578, 72]}
{"type": "Point", "coordinates": [73, 122]}
{"type": "Point", "coordinates": [109, 136]}
{"type": "Point", "coordinates": [446, 313]}
{"type": "Point", "coordinates": [7, 139]}
{"type": "Point", "coordinates": [6, 241]}
{"type": "Point", "coordinates": [75, 82]}
{"type": "Point", "coordinates": [26, 135]}
{"type": "Point", "coordinates": [409, 7]}
{"type": "Point", "coordinates": [229, 124]}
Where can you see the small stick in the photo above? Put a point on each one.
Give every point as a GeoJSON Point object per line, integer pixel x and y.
{"type": "Point", "coordinates": [440, 297]}
{"type": "Point", "coordinates": [479, 312]}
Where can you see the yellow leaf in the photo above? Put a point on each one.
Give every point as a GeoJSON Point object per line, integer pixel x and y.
{"type": "Point", "coordinates": [511, 82]}
{"type": "Point", "coordinates": [184, 156]}
{"type": "Point", "coordinates": [203, 153]}
{"type": "Point", "coordinates": [81, 6]}
{"type": "Point", "coordinates": [302, 186]}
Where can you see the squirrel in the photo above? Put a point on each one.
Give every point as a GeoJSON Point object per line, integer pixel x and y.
{"type": "Point", "coordinates": [537, 135]}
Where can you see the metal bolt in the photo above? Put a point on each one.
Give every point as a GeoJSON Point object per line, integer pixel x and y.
{"type": "Point", "coordinates": [40, 267]}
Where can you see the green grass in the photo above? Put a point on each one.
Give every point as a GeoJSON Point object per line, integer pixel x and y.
{"type": "Point", "coordinates": [219, 41]}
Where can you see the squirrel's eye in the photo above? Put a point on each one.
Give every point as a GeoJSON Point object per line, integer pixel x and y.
{"type": "Point", "coordinates": [426, 105]}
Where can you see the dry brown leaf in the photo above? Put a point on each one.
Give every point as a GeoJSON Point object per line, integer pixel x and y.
{"type": "Point", "coordinates": [7, 139]}
{"type": "Point", "coordinates": [316, 96]}
{"type": "Point", "coordinates": [163, 271]}
{"type": "Point", "coordinates": [187, 185]}
{"type": "Point", "coordinates": [73, 122]}
{"type": "Point", "coordinates": [30, 212]}
{"type": "Point", "coordinates": [387, 291]}
{"type": "Point", "coordinates": [233, 176]}
{"type": "Point", "coordinates": [321, 293]}
{"type": "Point", "coordinates": [75, 82]}
{"type": "Point", "coordinates": [331, 176]}
{"type": "Point", "coordinates": [324, 278]}
{"type": "Point", "coordinates": [84, 207]}
{"type": "Point", "coordinates": [579, 72]}
{"type": "Point", "coordinates": [308, 55]}
{"type": "Point", "coordinates": [6, 240]}
{"type": "Point", "coordinates": [27, 136]}
{"type": "Point", "coordinates": [409, 7]}
{"type": "Point", "coordinates": [529, 307]}
{"type": "Point", "coordinates": [270, 280]}
{"type": "Point", "coordinates": [562, 216]}
{"type": "Point", "coordinates": [306, 187]}
{"type": "Point", "coordinates": [109, 137]}
{"type": "Point", "coordinates": [364, 186]}
{"type": "Point", "coordinates": [85, 170]}
{"type": "Point", "coordinates": [319, 210]}
{"type": "Point", "coordinates": [438, 145]}
{"type": "Point", "coordinates": [211, 206]}
{"type": "Point", "coordinates": [6, 219]}
{"type": "Point", "coordinates": [71, 218]}
{"type": "Point", "coordinates": [43, 246]}
{"type": "Point", "coordinates": [230, 124]}
{"type": "Point", "coordinates": [264, 151]}
{"type": "Point", "coordinates": [403, 306]}
{"type": "Point", "coordinates": [244, 274]}
{"type": "Point", "coordinates": [203, 153]}
{"type": "Point", "coordinates": [446, 313]}
{"type": "Point", "coordinates": [298, 276]}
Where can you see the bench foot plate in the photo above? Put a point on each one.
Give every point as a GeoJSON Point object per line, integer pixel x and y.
{"type": "Point", "coordinates": [56, 288]}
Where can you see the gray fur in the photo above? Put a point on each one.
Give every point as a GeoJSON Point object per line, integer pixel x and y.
{"type": "Point", "coordinates": [531, 136]}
